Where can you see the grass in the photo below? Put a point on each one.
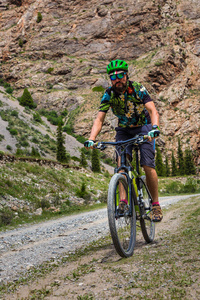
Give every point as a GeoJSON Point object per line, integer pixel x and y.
{"type": "Point", "coordinates": [168, 269]}
{"type": "Point", "coordinates": [145, 61]}
{"type": "Point", "coordinates": [42, 186]}
{"type": "Point", "coordinates": [179, 185]}
{"type": "Point", "coordinates": [62, 191]}
{"type": "Point", "coordinates": [25, 133]}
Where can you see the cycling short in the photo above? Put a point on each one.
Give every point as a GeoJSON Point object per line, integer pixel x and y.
{"type": "Point", "coordinates": [147, 150]}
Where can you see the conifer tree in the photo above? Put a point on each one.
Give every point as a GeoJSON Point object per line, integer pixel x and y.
{"type": "Point", "coordinates": [61, 154]}
{"type": "Point", "coordinates": [159, 163]}
{"type": "Point", "coordinates": [95, 161]}
{"type": "Point", "coordinates": [174, 166]}
{"type": "Point", "coordinates": [35, 153]}
{"type": "Point", "coordinates": [26, 99]}
{"type": "Point", "coordinates": [83, 161]}
{"type": "Point", "coordinates": [189, 163]}
{"type": "Point", "coordinates": [167, 169]}
{"type": "Point", "coordinates": [181, 169]}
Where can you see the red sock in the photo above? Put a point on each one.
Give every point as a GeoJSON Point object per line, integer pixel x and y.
{"type": "Point", "coordinates": [155, 203]}
{"type": "Point", "coordinates": [124, 200]}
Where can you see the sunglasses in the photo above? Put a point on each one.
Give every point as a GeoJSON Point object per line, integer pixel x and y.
{"type": "Point", "coordinates": [115, 76]}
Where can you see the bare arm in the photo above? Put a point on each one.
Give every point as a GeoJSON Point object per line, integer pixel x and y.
{"type": "Point", "coordinates": [98, 123]}
{"type": "Point", "coordinates": [150, 106]}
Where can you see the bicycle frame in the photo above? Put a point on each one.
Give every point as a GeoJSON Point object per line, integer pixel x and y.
{"type": "Point", "coordinates": [122, 222]}
{"type": "Point", "coordinates": [130, 173]}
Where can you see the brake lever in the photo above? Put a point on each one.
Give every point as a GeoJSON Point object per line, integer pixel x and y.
{"type": "Point", "coordinates": [100, 146]}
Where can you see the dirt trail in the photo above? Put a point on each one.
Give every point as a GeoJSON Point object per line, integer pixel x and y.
{"type": "Point", "coordinates": [102, 271]}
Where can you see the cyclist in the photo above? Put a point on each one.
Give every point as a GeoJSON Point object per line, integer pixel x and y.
{"type": "Point", "coordinates": [137, 114]}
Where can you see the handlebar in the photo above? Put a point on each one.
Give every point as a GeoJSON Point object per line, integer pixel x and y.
{"type": "Point", "coordinates": [138, 139]}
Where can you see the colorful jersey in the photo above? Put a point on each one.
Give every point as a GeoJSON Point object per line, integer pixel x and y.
{"type": "Point", "coordinates": [128, 107]}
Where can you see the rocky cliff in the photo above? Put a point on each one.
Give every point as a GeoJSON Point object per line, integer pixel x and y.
{"type": "Point", "coordinates": [63, 55]}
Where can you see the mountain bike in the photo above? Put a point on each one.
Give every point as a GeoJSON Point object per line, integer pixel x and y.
{"type": "Point", "coordinates": [139, 207]}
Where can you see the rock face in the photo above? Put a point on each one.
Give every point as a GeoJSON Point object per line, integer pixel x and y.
{"type": "Point", "coordinates": [63, 56]}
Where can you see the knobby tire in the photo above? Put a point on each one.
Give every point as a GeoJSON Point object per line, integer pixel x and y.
{"type": "Point", "coordinates": [147, 226]}
{"type": "Point", "coordinates": [123, 228]}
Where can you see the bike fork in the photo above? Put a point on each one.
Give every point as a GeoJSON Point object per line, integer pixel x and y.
{"type": "Point", "coordinates": [140, 200]}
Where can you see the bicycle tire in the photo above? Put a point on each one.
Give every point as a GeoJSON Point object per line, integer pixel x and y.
{"type": "Point", "coordinates": [147, 225]}
{"type": "Point", "coordinates": [123, 228]}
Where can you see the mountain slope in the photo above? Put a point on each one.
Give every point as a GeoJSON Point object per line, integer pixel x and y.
{"type": "Point", "coordinates": [63, 57]}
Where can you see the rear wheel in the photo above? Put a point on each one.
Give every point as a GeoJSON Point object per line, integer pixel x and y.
{"type": "Point", "coordinates": [147, 225]}
{"type": "Point", "coordinates": [122, 225]}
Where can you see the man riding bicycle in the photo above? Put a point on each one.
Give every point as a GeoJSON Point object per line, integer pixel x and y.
{"type": "Point", "coordinates": [137, 114]}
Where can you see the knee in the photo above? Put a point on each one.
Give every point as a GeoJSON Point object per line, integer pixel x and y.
{"type": "Point", "coordinates": [148, 169]}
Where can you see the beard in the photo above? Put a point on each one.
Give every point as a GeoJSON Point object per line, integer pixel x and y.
{"type": "Point", "coordinates": [119, 87]}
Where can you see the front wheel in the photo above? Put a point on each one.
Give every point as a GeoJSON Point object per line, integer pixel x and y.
{"type": "Point", "coordinates": [146, 223]}
{"type": "Point", "coordinates": [122, 225]}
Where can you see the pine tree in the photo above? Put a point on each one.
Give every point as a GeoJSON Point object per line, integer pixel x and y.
{"type": "Point", "coordinates": [167, 169]}
{"type": "Point", "coordinates": [189, 163]}
{"type": "Point", "coordinates": [39, 17]}
{"type": "Point", "coordinates": [26, 99]}
{"type": "Point", "coordinates": [95, 161]}
{"type": "Point", "coordinates": [174, 166]}
{"type": "Point", "coordinates": [159, 163]}
{"type": "Point", "coordinates": [83, 161]}
{"type": "Point", "coordinates": [181, 168]}
{"type": "Point", "coordinates": [61, 154]}
{"type": "Point", "coordinates": [35, 153]}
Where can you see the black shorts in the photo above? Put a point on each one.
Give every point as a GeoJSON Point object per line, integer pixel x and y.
{"type": "Point", "coordinates": [147, 150]}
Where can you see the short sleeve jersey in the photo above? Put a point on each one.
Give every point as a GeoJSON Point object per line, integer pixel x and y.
{"type": "Point", "coordinates": [129, 106]}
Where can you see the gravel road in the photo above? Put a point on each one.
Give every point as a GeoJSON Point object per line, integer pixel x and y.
{"type": "Point", "coordinates": [31, 245]}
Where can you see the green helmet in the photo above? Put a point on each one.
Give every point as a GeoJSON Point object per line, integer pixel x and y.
{"type": "Point", "coordinates": [116, 65]}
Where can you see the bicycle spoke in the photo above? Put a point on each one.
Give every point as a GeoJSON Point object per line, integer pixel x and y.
{"type": "Point", "coordinates": [147, 225]}
{"type": "Point", "coordinates": [123, 225]}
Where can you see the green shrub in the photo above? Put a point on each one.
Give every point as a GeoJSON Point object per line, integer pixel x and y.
{"type": "Point", "coordinates": [45, 203]}
{"type": "Point", "coordinates": [9, 90]}
{"type": "Point", "coordinates": [8, 147]}
{"type": "Point", "coordinates": [98, 89]}
{"type": "Point", "coordinates": [39, 17]}
{"type": "Point", "coordinates": [35, 140]}
{"type": "Point", "coordinates": [19, 152]}
{"type": "Point", "coordinates": [82, 193]}
{"type": "Point", "coordinates": [80, 139]}
{"type": "Point", "coordinates": [50, 70]}
{"type": "Point", "coordinates": [6, 216]}
{"type": "Point", "coordinates": [68, 129]}
{"type": "Point", "coordinates": [14, 113]}
{"type": "Point", "coordinates": [173, 187]}
{"type": "Point", "coordinates": [35, 153]}
{"type": "Point", "coordinates": [6, 85]}
{"type": "Point", "coordinates": [24, 144]}
{"type": "Point", "coordinates": [54, 120]}
{"type": "Point", "coordinates": [21, 43]}
{"type": "Point", "coordinates": [13, 131]}
{"type": "Point", "coordinates": [37, 118]}
{"type": "Point", "coordinates": [1, 153]}
{"type": "Point", "coordinates": [190, 186]}
{"type": "Point", "coordinates": [1, 137]}
{"type": "Point", "coordinates": [64, 113]}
